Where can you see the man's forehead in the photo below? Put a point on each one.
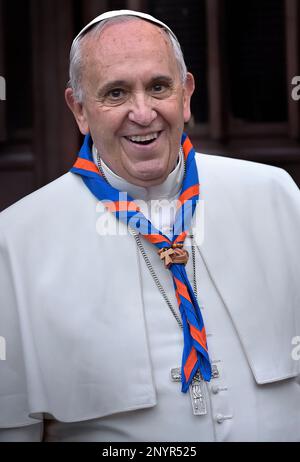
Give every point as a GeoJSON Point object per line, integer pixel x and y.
{"type": "Point", "coordinates": [121, 13]}
{"type": "Point", "coordinates": [126, 38]}
{"type": "Point", "coordinates": [133, 30]}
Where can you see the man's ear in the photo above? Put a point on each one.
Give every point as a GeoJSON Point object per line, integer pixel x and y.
{"type": "Point", "coordinates": [78, 111]}
{"type": "Point", "coordinates": [189, 87]}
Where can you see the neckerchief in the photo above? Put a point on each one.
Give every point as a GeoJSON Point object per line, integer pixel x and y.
{"type": "Point", "coordinates": [195, 354]}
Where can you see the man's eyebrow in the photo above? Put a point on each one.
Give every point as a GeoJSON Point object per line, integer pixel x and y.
{"type": "Point", "coordinates": [111, 85]}
{"type": "Point", "coordinates": [162, 78]}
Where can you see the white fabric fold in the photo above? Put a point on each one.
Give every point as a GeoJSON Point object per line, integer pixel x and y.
{"type": "Point", "coordinates": [57, 297]}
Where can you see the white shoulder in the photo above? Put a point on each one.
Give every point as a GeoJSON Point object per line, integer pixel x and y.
{"type": "Point", "coordinates": [53, 198]}
{"type": "Point", "coordinates": [241, 172]}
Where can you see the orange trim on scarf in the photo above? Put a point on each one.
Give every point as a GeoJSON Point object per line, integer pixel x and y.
{"type": "Point", "coordinates": [182, 289]}
{"type": "Point", "coordinates": [188, 194]}
{"type": "Point", "coordinates": [199, 336]}
{"type": "Point", "coordinates": [178, 297]}
{"type": "Point", "coordinates": [156, 238]}
{"type": "Point", "coordinates": [86, 165]}
{"type": "Point", "coordinates": [190, 363]}
{"type": "Point", "coordinates": [187, 146]}
{"type": "Point", "coordinates": [181, 237]}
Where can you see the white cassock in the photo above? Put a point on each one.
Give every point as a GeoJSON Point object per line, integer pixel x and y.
{"type": "Point", "coordinates": [90, 342]}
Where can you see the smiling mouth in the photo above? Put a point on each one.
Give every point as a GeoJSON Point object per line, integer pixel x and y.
{"type": "Point", "coordinates": [143, 139]}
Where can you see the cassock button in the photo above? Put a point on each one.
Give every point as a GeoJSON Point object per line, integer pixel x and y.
{"type": "Point", "coordinates": [215, 389]}
{"type": "Point", "coordinates": [219, 418]}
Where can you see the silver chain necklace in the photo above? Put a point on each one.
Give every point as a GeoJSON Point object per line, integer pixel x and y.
{"type": "Point", "coordinates": [149, 265]}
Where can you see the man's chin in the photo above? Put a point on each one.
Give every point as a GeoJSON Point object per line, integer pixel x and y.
{"type": "Point", "coordinates": [148, 178]}
{"type": "Point", "coordinates": [154, 172]}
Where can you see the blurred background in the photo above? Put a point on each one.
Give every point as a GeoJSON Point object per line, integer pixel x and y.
{"type": "Point", "coordinates": [243, 54]}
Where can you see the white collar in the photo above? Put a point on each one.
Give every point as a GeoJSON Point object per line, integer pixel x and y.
{"type": "Point", "coordinates": [169, 189]}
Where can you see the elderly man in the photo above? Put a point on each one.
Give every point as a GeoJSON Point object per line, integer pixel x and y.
{"type": "Point", "coordinates": [127, 318]}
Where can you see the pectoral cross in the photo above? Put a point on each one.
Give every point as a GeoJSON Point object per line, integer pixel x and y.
{"type": "Point", "coordinates": [197, 389]}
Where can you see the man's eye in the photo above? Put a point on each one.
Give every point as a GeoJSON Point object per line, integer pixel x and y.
{"type": "Point", "coordinates": [161, 90]}
{"type": "Point", "coordinates": [116, 94]}
{"type": "Point", "coordinates": [158, 88]}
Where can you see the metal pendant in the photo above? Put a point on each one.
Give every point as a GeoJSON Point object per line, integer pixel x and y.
{"type": "Point", "coordinates": [197, 391]}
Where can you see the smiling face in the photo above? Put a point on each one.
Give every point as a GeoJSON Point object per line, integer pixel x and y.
{"type": "Point", "coordinates": [135, 104]}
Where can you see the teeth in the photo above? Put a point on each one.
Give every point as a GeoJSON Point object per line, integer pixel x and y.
{"type": "Point", "coordinates": [139, 139]}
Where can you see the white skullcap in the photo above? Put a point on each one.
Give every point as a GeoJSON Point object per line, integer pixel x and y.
{"type": "Point", "coordinates": [115, 13]}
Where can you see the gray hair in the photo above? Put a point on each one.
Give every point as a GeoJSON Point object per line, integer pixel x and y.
{"type": "Point", "coordinates": [76, 64]}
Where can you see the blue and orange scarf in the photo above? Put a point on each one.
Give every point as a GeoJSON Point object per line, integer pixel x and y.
{"type": "Point", "coordinates": [195, 354]}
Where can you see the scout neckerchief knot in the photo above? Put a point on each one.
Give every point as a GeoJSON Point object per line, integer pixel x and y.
{"type": "Point", "coordinates": [195, 355]}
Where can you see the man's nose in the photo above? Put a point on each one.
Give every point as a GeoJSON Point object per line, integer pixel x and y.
{"type": "Point", "coordinates": [142, 110]}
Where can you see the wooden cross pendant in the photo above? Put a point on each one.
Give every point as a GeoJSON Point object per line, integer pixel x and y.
{"type": "Point", "coordinates": [197, 391]}
{"type": "Point", "coordinates": [166, 256]}
{"type": "Point", "coordinates": [174, 255]}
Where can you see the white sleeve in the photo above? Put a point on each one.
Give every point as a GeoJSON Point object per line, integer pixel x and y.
{"type": "Point", "coordinates": [26, 434]}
